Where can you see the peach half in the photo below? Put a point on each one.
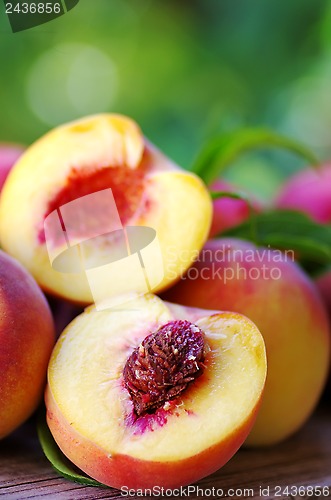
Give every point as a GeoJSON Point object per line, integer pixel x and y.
{"type": "Point", "coordinates": [124, 405]}
{"type": "Point", "coordinates": [92, 156]}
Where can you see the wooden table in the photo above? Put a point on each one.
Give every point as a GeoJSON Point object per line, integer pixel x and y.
{"type": "Point", "coordinates": [304, 460]}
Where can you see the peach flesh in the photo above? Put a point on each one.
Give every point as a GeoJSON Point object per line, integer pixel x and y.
{"type": "Point", "coordinates": [127, 186]}
{"type": "Point", "coordinates": [92, 418]}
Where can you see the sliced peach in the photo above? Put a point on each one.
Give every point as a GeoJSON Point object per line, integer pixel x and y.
{"type": "Point", "coordinates": [91, 412]}
{"type": "Point", "coordinates": [90, 156]}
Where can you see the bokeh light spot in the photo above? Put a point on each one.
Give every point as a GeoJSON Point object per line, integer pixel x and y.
{"type": "Point", "coordinates": [69, 81]}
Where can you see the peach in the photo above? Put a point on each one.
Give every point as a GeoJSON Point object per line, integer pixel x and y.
{"type": "Point", "coordinates": [9, 154]}
{"type": "Point", "coordinates": [270, 289]}
{"type": "Point", "coordinates": [94, 155]}
{"type": "Point", "coordinates": [155, 394]}
{"type": "Point", "coordinates": [26, 340]}
{"type": "Point", "coordinates": [310, 191]}
{"type": "Point", "coordinates": [228, 212]}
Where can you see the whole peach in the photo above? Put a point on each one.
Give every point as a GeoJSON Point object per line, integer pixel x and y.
{"type": "Point", "coordinates": [9, 153]}
{"type": "Point", "coordinates": [26, 341]}
{"type": "Point", "coordinates": [310, 191]}
{"type": "Point", "coordinates": [269, 288]}
{"type": "Point", "coordinates": [228, 212]}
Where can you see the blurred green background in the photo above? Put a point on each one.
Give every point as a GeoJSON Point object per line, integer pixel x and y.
{"type": "Point", "coordinates": [184, 69]}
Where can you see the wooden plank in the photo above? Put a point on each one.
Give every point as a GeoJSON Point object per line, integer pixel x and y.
{"type": "Point", "coordinates": [303, 460]}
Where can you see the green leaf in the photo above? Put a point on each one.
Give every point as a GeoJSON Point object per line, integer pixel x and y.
{"type": "Point", "coordinates": [223, 150]}
{"type": "Point", "coordinates": [288, 230]}
{"type": "Point", "coordinates": [236, 195]}
{"type": "Point", "coordinates": [59, 462]}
